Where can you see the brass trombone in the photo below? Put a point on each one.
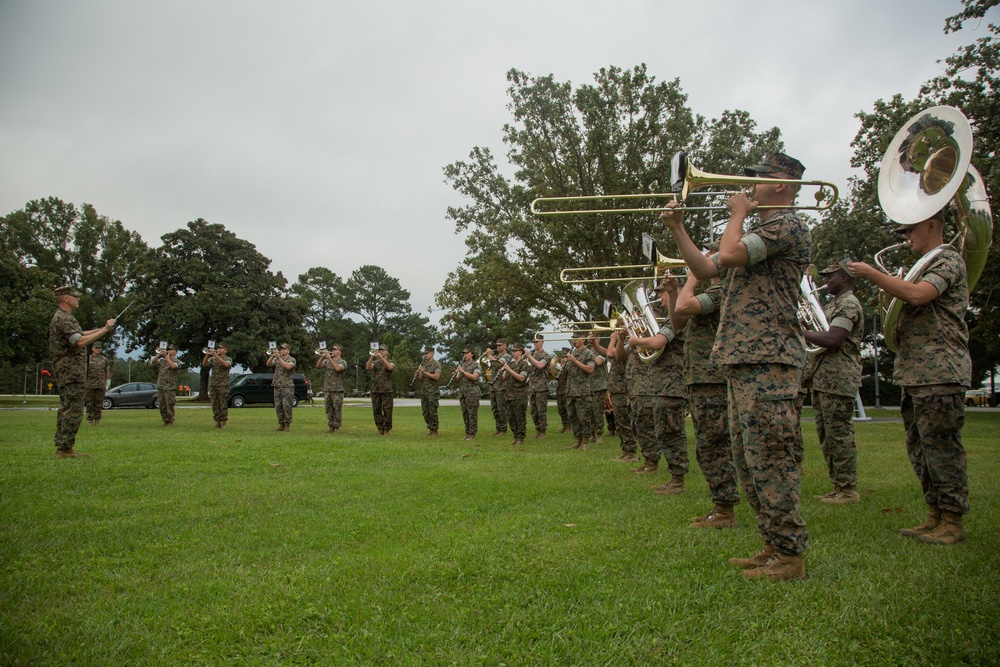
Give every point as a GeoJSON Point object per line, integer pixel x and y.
{"type": "Point", "coordinates": [686, 178]}
{"type": "Point", "coordinates": [660, 264]}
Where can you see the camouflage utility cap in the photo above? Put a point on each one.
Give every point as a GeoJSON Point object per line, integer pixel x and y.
{"type": "Point", "coordinates": [777, 163]}
{"type": "Point", "coordinates": [67, 290]}
{"type": "Point", "coordinates": [835, 266]}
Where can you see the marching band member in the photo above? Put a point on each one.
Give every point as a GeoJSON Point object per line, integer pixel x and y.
{"type": "Point", "coordinates": [579, 366]}
{"type": "Point", "coordinates": [468, 392]}
{"type": "Point", "coordinates": [166, 382]}
{"type": "Point", "coordinates": [284, 385]}
{"type": "Point", "coordinates": [498, 385]}
{"type": "Point", "coordinates": [516, 375]}
{"type": "Point", "coordinates": [934, 368]}
{"type": "Point", "coordinates": [538, 386]}
{"type": "Point", "coordinates": [381, 369]}
{"type": "Point", "coordinates": [761, 347]}
{"type": "Point", "coordinates": [618, 382]}
{"type": "Point", "coordinates": [333, 385]}
{"type": "Point", "coordinates": [218, 384]}
{"type": "Point", "coordinates": [427, 375]}
{"type": "Point", "coordinates": [835, 377]}
{"type": "Point", "coordinates": [98, 374]}
{"type": "Point", "coordinates": [599, 389]}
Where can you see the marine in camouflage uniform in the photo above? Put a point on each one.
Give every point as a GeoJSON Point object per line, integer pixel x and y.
{"type": "Point", "coordinates": [166, 382]}
{"type": "Point", "coordinates": [708, 401]}
{"type": "Point", "coordinates": [428, 374]}
{"type": "Point", "coordinates": [498, 385]}
{"type": "Point", "coordinates": [579, 365]}
{"type": "Point", "coordinates": [761, 347]}
{"type": "Point", "coordinates": [561, 408]}
{"type": "Point", "coordinates": [333, 386]}
{"type": "Point", "coordinates": [934, 369]}
{"type": "Point", "coordinates": [284, 386]}
{"type": "Point", "coordinates": [835, 375]}
{"type": "Point", "coordinates": [468, 392]}
{"type": "Point", "coordinates": [660, 406]}
{"type": "Point", "coordinates": [98, 374]}
{"type": "Point", "coordinates": [218, 382]}
{"type": "Point", "coordinates": [516, 375]}
{"type": "Point", "coordinates": [381, 369]}
{"type": "Point", "coordinates": [538, 387]}
{"type": "Point", "coordinates": [617, 354]}
{"type": "Point", "coordinates": [68, 349]}
{"type": "Point", "coordinates": [599, 398]}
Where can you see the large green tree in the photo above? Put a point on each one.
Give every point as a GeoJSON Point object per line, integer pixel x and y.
{"type": "Point", "coordinates": [204, 283]}
{"type": "Point", "coordinates": [858, 228]}
{"type": "Point", "coordinates": [77, 246]}
{"type": "Point", "coordinates": [26, 306]}
{"type": "Point", "coordinates": [614, 136]}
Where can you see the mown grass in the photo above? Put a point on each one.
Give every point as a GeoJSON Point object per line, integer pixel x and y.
{"type": "Point", "coordinates": [191, 545]}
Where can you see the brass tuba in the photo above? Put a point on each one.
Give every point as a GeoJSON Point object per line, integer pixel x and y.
{"type": "Point", "coordinates": [638, 317]}
{"type": "Point", "coordinates": [926, 168]}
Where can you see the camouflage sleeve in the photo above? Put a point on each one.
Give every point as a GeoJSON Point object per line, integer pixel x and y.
{"type": "Point", "coordinates": [342, 365]}
{"type": "Point", "coordinates": [842, 323]}
{"type": "Point", "coordinates": [942, 273]}
{"type": "Point", "coordinates": [667, 332]}
{"type": "Point", "coordinates": [291, 360]}
{"type": "Point", "coordinates": [847, 317]}
{"type": "Point", "coordinates": [69, 328]}
{"type": "Point", "coordinates": [707, 303]}
{"type": "Point", "coordinates": [770, 238]}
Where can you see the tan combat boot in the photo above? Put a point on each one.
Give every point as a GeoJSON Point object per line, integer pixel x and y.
{"type": "Point", "coordinates": [577, 443]}
{"type": "Point", "coordinates": [826, 495]}
{"type": "Point", "coordinates": [779, 567]}
{"type": "Point", "coordinates": [281, 427]}
{"type": "Point", "coordinates": [722, 516]}
{"type": "Point", "coordinates": [756, 560]}
{"type": "Point", "coordinates": [933, 518]}
{"type": "Point", "coordinates": [69, 454]}
{"type": "Point", "coordinates": [650, 467]}
{"type": "Point", "coordinates": [673, 487]}
{"type": "Point", "coordinates": [949, 530]}
{"type": "Point", "coordinates": [843, 496]}
{"type": "Point", "coordinates": [627, 457]}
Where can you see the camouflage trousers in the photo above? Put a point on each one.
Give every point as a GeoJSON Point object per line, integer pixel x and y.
{"type": "Point", "coordinates": [835, 428]}
{"type": "Point", "coordinates": [934, 444]}
{"type": "Point", "coordinates": [283, 398]}
{"type": "Point", "coordinates": [658, 422]}
{"type": "Point", "coordinates": [94, 398]}
{"type": "Point", "coordinates": [710, 414]}
{"type": "Point", "coordinates": [470, 412]}
{"type": "Point", "coordinates": [70, 414]}
{"type": "Point", "coordinates": [220, 401]}
{"type": "Point", "coordinates": [333, 402]}
{"type": "Point", "coordinates": [764, 431]}
{"type": "Point", "coordinates": [598, 399]}
{"type": "Point", "coordinates": [167, 399]}
{"type": "Point", "coordinates": [562, 409]}
{"type": "Point", "coordinates": [623, 422]}
{"type": "Point", "coordinates": [517, 413]}
{"type": "Point", "coordinates": [498, 404]}
{"type": "Point", "coordinates": [429, 408]}
{"type": "Point", "coordinates": [579, 414]}
{"type": "Point", "coordinates": [539, 403]}
{"type": "Point", "coordinates": [382, 411]}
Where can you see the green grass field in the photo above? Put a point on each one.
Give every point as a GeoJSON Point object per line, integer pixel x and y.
{"type": "Point", "coordinates": [191, 545]}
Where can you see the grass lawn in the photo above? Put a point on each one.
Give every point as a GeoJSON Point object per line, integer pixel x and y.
{"type": "Point", "coordinates": [192, 545]}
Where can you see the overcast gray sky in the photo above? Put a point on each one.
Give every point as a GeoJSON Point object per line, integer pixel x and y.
{"type": "Point", "coordinates": [318, 129]}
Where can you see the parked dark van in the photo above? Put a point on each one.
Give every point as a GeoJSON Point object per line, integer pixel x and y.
{"type": "Point", "coordinates": [256, 388]}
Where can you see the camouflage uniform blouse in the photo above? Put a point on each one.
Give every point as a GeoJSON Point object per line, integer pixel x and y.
{"type": "Point", "coordinates": [427, 386]}
{"type": "Point", "coordinates": [699, 339]}
{"type": "Point", "coordinates": [333, 381]}
{"type": "Point", "coordinates": [97, 371]}
{"type": "Point", "coordinates": [933, 338]}
{"type": "Point", "coordinates": [578, 382]}
{"type": "Point", "coordinates": [468, 387]}
{"type": "Point", "coordinates": [635, 371]}
{"type": "Point", "coordinates": [758, 324]}
{"type": "Point", "coordinates": [501, 383]}
{"type": "Point", "coordinates": [616, 377]}
{"type": "Point", "coordinates": [220, 372]}
{"type": "Point", "coordinates": [381, 378]}
{"type": "Point", "coordinates": [69, 359]}
{"type": "Point", "coordinates": [538, 378]}
{"type": "Point", "coordinates": [166, 378]}
{"type": "Point", "coordinates": [283, 376]}
{"type": "Point", "coordinates": [664, 376]}
{"type": "Point", "coordinates": [517, 389]}
{"type": "Point", "coordinates": [599, 378]}
{"type": "Point", "coordinates": [838, 371]}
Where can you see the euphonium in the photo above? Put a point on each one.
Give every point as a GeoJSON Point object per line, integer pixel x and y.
{"type": "Point", "coordinates": [810, 312]}
{"type": "Point", "coordinates": [638, 317]}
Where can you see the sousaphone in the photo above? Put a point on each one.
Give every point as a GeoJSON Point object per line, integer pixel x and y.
{"type": "Point", "coordinates": [927, 168]}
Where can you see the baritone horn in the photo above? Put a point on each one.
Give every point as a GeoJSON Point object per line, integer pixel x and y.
{"type": "Point", "coordinates": [685, 179]}
{"type": "Point", "coordinates": [638, 317]}
{"type": "Point", "coordinates": [810, 312]}
{"type": "Point", "coordinates": [928, 167]}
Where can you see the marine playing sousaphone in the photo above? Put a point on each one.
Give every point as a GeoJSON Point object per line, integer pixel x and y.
{"type": "Point", "coordinates": [927, 168]}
